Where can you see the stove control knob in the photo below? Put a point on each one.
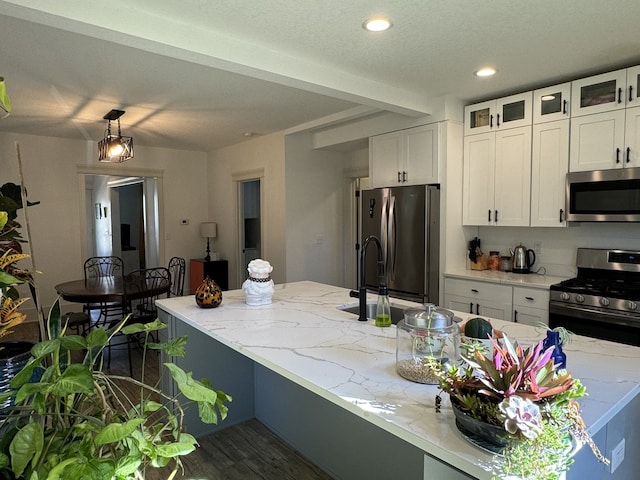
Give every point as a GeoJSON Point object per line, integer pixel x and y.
{"type": "Point", "coordinates": [565, 296]}
{"type": "Point", "coordinates": [604, 301]}
{"type": "Point", "coordinates": [580, 298]}
{"type": "Point", "coordinates": [631, 305]}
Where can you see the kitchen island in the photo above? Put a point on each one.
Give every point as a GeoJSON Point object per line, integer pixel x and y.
{"type": "Point", "coordinates": [327, 384]}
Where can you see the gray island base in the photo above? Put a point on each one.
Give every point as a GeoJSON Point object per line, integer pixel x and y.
{"type": "Point", "coordinates": [327, 385]}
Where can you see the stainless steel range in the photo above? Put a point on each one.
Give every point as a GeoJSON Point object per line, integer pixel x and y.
{"type": "Point", "coordinates": [603, 301]}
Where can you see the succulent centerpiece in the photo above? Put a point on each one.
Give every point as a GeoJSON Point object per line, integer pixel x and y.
{"type": "Point", "coordinates": [518, 404]}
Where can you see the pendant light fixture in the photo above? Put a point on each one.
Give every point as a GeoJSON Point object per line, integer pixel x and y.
{"type": "Point", "coordinates": [115, 148]}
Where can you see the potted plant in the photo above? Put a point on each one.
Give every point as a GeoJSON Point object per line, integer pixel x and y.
{"type": "Point", "coordinates": [516, 403]}
{"type": "Point", "coordinates": [78, 421]}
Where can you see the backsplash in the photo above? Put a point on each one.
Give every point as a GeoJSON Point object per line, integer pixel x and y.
{"type": "Point", "coordinates": [558, 245]}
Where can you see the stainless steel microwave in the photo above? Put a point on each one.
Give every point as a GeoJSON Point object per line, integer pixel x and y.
{"type": "Point", "coordinates": [604, 195]}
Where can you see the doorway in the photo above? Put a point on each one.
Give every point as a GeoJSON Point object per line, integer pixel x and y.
{"type": "Point", "coordinates": [122, 219]}
{"type": "Point", "coordinates": [250, 228]}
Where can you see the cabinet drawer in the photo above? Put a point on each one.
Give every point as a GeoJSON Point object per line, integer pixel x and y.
{"type": "Point", "coordinates": [530, 297]}
{"type": "Point", "coordinates": [478, 290]}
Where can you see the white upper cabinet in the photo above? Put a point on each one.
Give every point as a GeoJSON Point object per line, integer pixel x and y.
{"type": "Point", "coordinates": [552, 103]}
{"type": "Point", "coordinates": [405, 157]}
{"type": "Point", "coordinates": [507, 112]}
{"type": "Point", "coordinates": [633, 87]}
{"type": "Point", "coordinates": [597, 141]}
{"type": "Point", "coordinates": [599, 93]}
{"type": "Point", "coordinates": [549, 166]}
{"type": "Point", "coordinates": [497, 175]}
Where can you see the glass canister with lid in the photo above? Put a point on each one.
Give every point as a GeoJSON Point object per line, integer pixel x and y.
{"type": "Point", "coordinates": [426, 335]}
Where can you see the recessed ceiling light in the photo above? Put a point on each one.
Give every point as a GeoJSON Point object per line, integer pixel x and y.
{"type": "Point", "coordinates": [486, 72]}
{"type": "Point", "coordinates": [377, 24]}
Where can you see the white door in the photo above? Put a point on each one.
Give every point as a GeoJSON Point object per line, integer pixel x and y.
{"type": "Point", "coordinates": [385, 159]}
{"type": "Point", "coordinates": [512, 177]}
{"type": "Point", "coordinates": [597, 141]}
{"type": "Point", "coordinates": [632, 138]}
{"type": "Point", "coordinates": [549, 166]}
{"type": "Point", "coordinates": [421, 154]}
{"type": "Point", "coordinates": [478, 190]}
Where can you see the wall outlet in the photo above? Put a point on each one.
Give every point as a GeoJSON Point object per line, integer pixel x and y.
{"type": "Point", "coordinates": [617, 455]}
{"type": "Point", "coordinates": [537, 247]}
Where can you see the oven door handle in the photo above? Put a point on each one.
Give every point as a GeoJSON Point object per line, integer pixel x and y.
{"type": "Point", "coordinates": [594, 314]}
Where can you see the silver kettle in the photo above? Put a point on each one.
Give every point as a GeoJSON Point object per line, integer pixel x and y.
{"type": "Point", "coordinates": [523, 259]}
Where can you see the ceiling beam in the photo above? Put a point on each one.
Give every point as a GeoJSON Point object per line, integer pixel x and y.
{"type": "Point", "coordinates": [123, 24]}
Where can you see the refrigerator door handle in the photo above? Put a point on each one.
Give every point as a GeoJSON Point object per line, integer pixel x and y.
{"type": "Point", "coordinates": [391, 235]}
{"type": "Point", "coordinates": [384, 228]}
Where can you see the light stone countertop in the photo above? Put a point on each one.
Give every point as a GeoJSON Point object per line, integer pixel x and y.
{"type": "Point", "coordinates": [530, 280]}
{"type": "Point", "coordinates": [305, 338]}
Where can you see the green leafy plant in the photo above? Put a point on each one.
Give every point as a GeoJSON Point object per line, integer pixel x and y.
{"type": "Point", "coordinates": [521, 390]}
{"type": "Point", "coordinates": [78, 421]}
{"type": "Point", "coordinates": [11, 274]}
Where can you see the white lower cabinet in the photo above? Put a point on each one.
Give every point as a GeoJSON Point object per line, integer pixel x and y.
{"type": "Point", "coordinates": [530, 306]}
{"type": "Point", "coordinates": [477, 297]}
{"type": "Point", "coordinates": [504, 302]}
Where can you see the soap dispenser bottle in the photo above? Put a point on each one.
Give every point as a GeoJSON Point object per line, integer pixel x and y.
{"type": "Point", "coordinates": [383, 308]}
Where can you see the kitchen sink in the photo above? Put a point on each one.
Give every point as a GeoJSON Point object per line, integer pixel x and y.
{"type": "Point", "coordinates": [397, 311]}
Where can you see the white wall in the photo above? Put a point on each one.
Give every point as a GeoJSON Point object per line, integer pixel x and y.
{"type": "Point", "coordinates": [315, 203]}
{"type": "Point", "coordinates": [264, 154]}
{"type": "Point", "coordinates": [50, 170]}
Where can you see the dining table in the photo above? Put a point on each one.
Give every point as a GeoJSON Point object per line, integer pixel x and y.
{"type": "Point", "coordinates": [107, 289]}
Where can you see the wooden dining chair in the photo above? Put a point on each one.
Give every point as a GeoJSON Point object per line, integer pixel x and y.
{"type": "Point", "coordinates": [177, 267]}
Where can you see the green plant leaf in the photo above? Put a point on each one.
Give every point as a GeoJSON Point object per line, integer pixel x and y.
{"type": "Point", "coordinates": [191, 388]}
{"type": "Point", "coordinates": [97, 338]}
{"type": "Point", "coordinates": [4, 458]}
{"type": "Point", "coordinates": [45, 348]}
{"type": "Point", "coordinates": [151, 406]}
{"type": "Point", "coordinates": [143, 327]}
{"type": "Point", "coordinates": [54, 322]}
{"type": "Point", "coordinates": [73, 342]}
{"type": "Point", "coordinates": [75, 379]}
{"type": "Point", "coordinates": [26, 447]}
{"type": "Point", "coordinates": [115, 432]}
{"type": "Point", "coordinates": [176, 449]}
{"type": "Point", "coordinates": [29, 389]}
{"type": "Point", "coordinates": [93, 469]}
{"type": "Point", "coordinates": [175, 347]}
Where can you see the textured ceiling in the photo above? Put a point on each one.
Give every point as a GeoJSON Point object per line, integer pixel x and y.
{"type": "Point", "coordinates": [197, 74]}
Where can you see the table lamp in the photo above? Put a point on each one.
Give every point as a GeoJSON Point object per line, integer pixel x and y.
{"type": "Point", "coordinates": [208, 230]}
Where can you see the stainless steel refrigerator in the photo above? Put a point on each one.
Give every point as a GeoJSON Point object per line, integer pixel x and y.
{"type": "Point", "coordinates": [406, 220]}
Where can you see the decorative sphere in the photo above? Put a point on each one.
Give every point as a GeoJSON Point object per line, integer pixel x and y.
{"type": "Point", "coordinates": [208, 294]}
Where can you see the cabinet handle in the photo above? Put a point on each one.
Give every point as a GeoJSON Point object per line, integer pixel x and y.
{"type": "Point", "coordinates": [630, 93]}
{"type": "Point", "coordinates": [628, 154]}
{"type": "Point", "coordinates": [489, 216]}
{"type": "Point", "coordinates": [617, 155]}
{"type": "Point", "coordinates": [490, 126]}
{"type": "Point", "coordinates": [474, 290]}
{"type": "Point", "coordinates": [471, 307]}
{"type": "Point", "coordinates": [561, 214]}
{"type": "Point", "coordinates": [497, 120]}
{"type": "Point", "coordinates": [620, 95]}
{"type": "Point", "coordinates": [496, 216]}
{"type": "Point", "coordinates": [477, 309]}
{"type": "Point", "coordinates": [515, 316]}
{"type": "Point", "coordinates": [564, 107]}
{"type": "Point", "coordinates": [529, 298]}
{"type": "Point", "coordinates": [399, 177]}
{"type": "Point", "coordinates": [404, 176]}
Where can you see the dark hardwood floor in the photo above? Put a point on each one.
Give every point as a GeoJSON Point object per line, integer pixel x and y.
{"type": "Point", "coordinates": [247, 451]}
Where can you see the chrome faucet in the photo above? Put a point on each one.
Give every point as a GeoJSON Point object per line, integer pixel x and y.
{"type": "Point", "coordinates": [362, 289]}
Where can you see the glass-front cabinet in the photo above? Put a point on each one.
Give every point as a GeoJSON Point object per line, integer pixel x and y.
{"type": "Point", "coordinates": [552, 103]}
{"type": "Point", "coordinates": [508, 112]}
{"type": "Point", "coordinates": [600, 93]}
